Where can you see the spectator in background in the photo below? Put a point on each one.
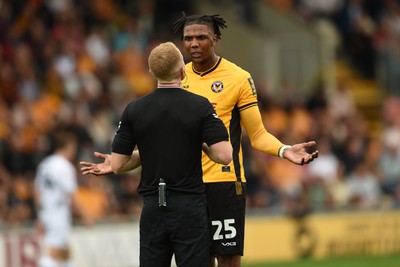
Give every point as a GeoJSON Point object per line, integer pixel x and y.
{"type": "Point", "coordinates": [357, 28]}
{"type": "Point", "coordinates": [20, 201]}
{"type": "Point", "coordinates": [55, 190]}
{"type": "Point", "coordinates": [365, 192]}
{"type": "Point", "coordinates": [338, 191]}
{"type": "Point", "coordinates": [314, 9]}
{"type": "Point", "coordinates": [389, 165]}
{"type": "Point", "coordinates": [340, 101]}
{"type": "Point", "coordinates": [322, 174]}
{"type": "Point", "coordinates": [354, 143]}
{"type": "Point", "coordinates": [387, 45]}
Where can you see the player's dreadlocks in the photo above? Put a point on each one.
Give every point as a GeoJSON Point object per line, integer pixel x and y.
{"type": "Point", "coordinates": [215, 21]}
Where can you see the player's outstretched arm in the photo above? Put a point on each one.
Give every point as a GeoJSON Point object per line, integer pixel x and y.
{"type": "Point", "coordinates": [298, 153]}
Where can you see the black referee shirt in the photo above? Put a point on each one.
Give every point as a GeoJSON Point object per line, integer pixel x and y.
{"type": "Point", "coordinates": [169, 126]}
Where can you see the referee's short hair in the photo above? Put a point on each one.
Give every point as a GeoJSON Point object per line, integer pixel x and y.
{"type": "Point", "coordinates": [165, 62]}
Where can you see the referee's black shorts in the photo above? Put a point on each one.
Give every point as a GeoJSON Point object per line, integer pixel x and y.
{"type": "Point", "coordinates": [227, 208]}
{"type": "Point", "coordinates": [181, 228]}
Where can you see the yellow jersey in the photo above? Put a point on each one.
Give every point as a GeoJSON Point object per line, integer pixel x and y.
{"type": "Point", "coordinates": [232, 92]}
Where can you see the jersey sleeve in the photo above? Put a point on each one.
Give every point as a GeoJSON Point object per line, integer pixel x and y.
{"type": "Point", "coordinates": [247, 93]}
{"type": "Point", "coordinates": [124, 140]}
{"type": "Point", "coordinates": [214, 130]}
{"type": "Point", "coordinates": [259, 137]}
{"type": "Point", "coordinates": [250, 118]}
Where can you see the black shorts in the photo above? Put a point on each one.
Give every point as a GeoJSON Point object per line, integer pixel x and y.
{"type": "Point", "coordinates": [181, 228]}
{"type": "Point", "coordinates": [227, 208]}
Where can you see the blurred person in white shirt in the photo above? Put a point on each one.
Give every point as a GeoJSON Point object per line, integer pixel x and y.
{"type": "Point", "coordinates": [364, 187]}
{"type": "Point", "coordinates": [388, 164]}
{"type": "Point", "coordinates": [326, 168]}
{"type": "Point", "coordinates": [55, 187]}
{"type": "Point", "coordinates": [322, 175]}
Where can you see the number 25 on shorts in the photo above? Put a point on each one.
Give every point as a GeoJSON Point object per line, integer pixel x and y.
{"type": "Point", "coordinates": [227, 227]}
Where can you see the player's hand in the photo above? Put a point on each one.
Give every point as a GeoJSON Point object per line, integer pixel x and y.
{"type": "Point", "coordinates": [298, 153]}
{"type": "Point", "coordinates": [97, 168]}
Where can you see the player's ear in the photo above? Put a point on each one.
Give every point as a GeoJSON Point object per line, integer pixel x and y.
{"type": "Point", "coordinates": [215, 39]}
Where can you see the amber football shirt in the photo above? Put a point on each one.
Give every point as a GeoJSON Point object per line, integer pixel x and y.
{"type": "Point", "coordinates": [231, 91]}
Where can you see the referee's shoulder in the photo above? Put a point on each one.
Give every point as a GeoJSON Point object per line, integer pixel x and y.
{"type": "Point", "coordinates": [194, 96]}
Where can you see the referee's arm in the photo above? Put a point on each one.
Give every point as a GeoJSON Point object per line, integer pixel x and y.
{"type": "Point", "coordinates": [220, 152]}
{"type": "Point", "coordinates": [121, 163]}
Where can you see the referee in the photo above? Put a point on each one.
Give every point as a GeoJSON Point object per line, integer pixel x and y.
{"type": "Point", "coordinates": [170, 128]}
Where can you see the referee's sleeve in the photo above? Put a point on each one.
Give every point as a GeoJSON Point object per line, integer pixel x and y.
{"type": "Point", "coordinates": [124, 141]}
{"type": "Point", "coordinates": [214, 130]}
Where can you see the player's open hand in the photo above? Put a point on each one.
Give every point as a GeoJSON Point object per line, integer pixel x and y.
{"type": "Point", "coordinates": [298, 153]}
{"type": "Point", "coordinates": [97, 168]}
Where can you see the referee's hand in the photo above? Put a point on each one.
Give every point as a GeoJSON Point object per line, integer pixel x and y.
{"type": "Point", "coordinates": [97, 169]}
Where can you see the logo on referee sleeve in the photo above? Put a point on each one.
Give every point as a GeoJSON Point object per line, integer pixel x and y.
{"type": "Point", "coordinates": [119, 126]}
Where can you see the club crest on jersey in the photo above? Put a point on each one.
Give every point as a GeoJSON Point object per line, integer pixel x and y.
{"type": "Point", "coordinates": [217, 86]}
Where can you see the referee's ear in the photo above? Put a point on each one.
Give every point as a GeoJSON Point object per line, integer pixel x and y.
{"type": "Point", "coordinates": [183, 73]}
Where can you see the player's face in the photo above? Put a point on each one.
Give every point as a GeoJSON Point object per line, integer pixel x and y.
{"type": "Point", "coordinates": [199, 41]}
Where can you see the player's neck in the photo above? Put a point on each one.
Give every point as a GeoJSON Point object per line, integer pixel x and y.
{"type": "Point", "coordinates": [65, 153]}
{"type": "Point", "coordinates": [207, 65]}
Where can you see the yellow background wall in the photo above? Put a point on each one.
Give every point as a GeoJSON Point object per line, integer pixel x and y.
{"type": "Point", "coordinates": [322, 235]}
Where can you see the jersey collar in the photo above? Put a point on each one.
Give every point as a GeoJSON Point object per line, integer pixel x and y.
{"type": "Point", "coordinates": [209, 70]}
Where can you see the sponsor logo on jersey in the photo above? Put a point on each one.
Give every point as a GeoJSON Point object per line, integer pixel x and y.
{"type": "Point", "coordinates": [252, 85]}
{"type": "Point", "coordinates": [217, 86]}
{"type": "Point", "coordinates": [226, 168]}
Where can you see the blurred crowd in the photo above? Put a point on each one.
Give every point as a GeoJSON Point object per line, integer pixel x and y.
{"type": "Point", "coordinates": [78, 63]}
{"type": "Point", "coordinates": [369, 29]}
{"type": "Point", "coordinates": [75, 64]}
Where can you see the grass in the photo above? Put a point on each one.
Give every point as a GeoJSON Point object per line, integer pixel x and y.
{"type": "Point", "coordinates": [366, 261]}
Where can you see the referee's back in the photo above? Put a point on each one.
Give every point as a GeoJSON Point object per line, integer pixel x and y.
{"type": "Point", "coordinates": [169, 126]}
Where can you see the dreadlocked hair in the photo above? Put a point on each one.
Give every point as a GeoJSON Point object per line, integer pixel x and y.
{"type": "Point", "coordinates": [215, 21]}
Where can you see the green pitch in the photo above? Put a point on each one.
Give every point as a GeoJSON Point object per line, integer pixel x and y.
{"type": "Point", "coordinates": [366, 261]}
